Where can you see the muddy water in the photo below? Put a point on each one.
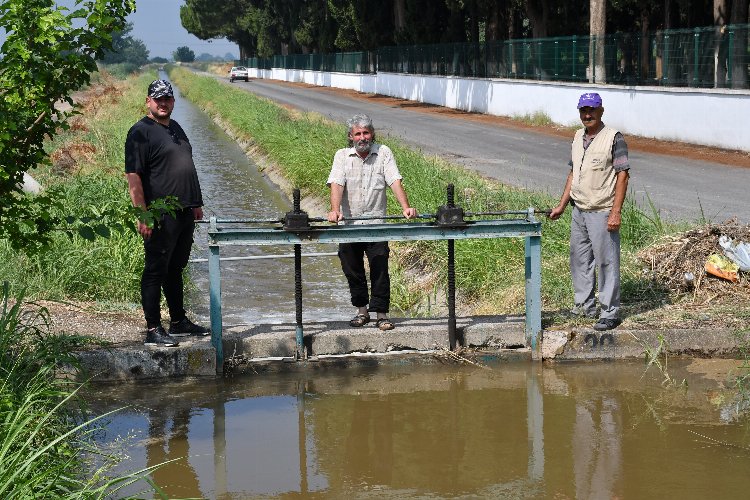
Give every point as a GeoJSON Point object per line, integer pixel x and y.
{"type": "Point", "coordinates": [516, 431]}
{"type": "Point", "coordinates": [255, 290]}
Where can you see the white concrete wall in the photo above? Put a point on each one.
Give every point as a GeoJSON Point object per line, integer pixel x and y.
{"type": "Point", "coordinates": [707, 117]}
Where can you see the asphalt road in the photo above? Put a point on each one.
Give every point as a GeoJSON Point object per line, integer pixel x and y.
{"type": "Point", "coordinates": [681, 189]}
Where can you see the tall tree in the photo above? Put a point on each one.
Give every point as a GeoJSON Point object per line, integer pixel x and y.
{"type": "Point", "coordinates": [183, 54]}
{"type": "Point", "coordinates": [362, 27]}
{"type": "Point", "coordinates": [537, 12]}
{"type": "Point", "coordinates": [740, 14]}
{"type": "Point", "coordinates": [228, 19]}
{"type": "Point", "coordinates": [720, 21]}
{"type": "Point", "coordinates": [598, 32]}
{"type": "Point", "coordinates": [126, 49]}
{"type": "Point", "coordinates": [316, 31]}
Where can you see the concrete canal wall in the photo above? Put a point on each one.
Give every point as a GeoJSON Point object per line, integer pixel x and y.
{"type": "Point", "coordinates": [710, 117]}
{"type": "Point", "coordinates": [489, 340]}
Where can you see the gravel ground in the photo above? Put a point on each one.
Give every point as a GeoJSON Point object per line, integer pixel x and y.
{"type": "Point", "coordinates": [121, 328]}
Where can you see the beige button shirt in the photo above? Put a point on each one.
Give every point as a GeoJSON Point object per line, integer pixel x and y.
{"type": "Point", "coordinates": [364, 181]}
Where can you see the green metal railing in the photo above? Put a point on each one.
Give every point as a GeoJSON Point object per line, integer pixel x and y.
{"type": "Point", "coordinates": [699, 57]}
{"type": "Point", "coordinates": [343, 62]}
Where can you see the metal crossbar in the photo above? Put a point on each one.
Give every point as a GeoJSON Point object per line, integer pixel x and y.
{"type": "Point", "coordinates": [527, 227]}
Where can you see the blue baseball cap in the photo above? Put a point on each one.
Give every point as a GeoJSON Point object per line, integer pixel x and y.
{"type": "Point", "coordinates": [591, 100]}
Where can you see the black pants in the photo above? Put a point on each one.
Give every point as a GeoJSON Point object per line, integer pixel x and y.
{"type": "Point", "coordinates": [353, 265]}
{"type": "Point", "coordinates": [167, 253]}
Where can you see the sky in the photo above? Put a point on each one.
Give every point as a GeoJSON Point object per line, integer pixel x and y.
{"type": "Point", "coordinates": [157, 24]}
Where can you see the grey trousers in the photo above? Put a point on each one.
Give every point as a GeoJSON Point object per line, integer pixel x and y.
{"type": "Point", "coordinates": [595, 253]}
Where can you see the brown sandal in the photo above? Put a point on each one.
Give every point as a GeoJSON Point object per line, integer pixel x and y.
{"type": "Point", "coordinates": [384, 324]}
{"type": "Point", "coordinates": [359, 320]}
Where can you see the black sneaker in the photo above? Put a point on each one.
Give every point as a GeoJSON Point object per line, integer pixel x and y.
{"type": "Point", "coordinates": [185, 328]}
{"type": "Point", "coordinates": [158, 337]}
{"type": "Point", "coordinates": [606, 324]}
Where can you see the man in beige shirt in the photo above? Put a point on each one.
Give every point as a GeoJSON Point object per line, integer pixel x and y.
{"type": "Point", "coordinates": [596, 187]}
{"type": "Point", "coordinates": [358, 180]}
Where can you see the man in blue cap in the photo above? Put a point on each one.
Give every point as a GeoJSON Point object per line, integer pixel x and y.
{"type": "Point", "coordinates": [159, 163]}
{"type": "Point", "coordinates": [596, 188]}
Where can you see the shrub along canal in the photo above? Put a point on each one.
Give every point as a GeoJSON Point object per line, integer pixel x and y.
{"type": "Point", "coordinates": [512, 431]}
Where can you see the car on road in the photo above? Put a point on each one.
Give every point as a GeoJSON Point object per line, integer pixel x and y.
{"type": "Point", "coordinates": [238, 73]}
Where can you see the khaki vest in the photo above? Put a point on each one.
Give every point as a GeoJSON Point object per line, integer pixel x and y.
{"type": "Point", "coordinates": [593, 187]}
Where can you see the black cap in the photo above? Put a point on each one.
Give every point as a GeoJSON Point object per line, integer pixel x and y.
{"type": "Point", "coordinates": [160, 88]}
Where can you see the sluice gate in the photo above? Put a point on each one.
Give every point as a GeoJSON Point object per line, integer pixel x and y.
{"type": "Point", "coordinates": [449, 223]}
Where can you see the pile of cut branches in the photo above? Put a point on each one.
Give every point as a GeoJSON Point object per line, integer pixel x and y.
{"type": "Point", "coordinates": [674, 259]}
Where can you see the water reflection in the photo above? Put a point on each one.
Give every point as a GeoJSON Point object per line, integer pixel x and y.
{"type": "Point", "coordinates": [260, 290]}
{"type": "Point", "coordinates": [579, 431]}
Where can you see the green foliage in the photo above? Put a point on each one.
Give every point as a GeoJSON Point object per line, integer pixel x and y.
{"type": "Point", "coordinates": [126, 49]}
{"type": "Point", "coordinates": [183, 54]}
{"type": "Point", "coordinates": [122, 70]}
{"type": "Point", "coordinates": [48, 54]}
{"type": "Point", "coordinates": [45, 432]}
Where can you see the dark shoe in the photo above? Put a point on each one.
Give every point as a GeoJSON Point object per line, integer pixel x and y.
{"type": "Point", "coordinates": [185, 328]}
{"type": "Point", "coordinates": [606, 324]}
{"type": "Point", "coordinates": [384, 324]}
{"type": "Point", "coordinates": [158, 337]}
{"type": "Point", "coordinates": [359, 320]}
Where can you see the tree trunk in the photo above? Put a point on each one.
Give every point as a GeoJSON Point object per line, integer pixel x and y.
{"type": "Point", "coordinates": [492, 30]}
{"type": "Point", "coordinates": [720, 62]}
{"type": "Point", "coordinates": [740, 42]}
{"type": "Point", "coordinates": [399, 16]}
{"type": "Point", "coordinates": [598, 30]}
{"type": "Point", "coordinates": [645, 45]}
{"type": "Point", "coordinates": [667, 14]}
{"type": "Point", "coordinates": [536, 10]}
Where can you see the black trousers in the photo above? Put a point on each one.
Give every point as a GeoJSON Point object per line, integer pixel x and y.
{"type": "Point", "coordinates": [353, 264]}
{"type": "Point", "coordinates": [167, 252]}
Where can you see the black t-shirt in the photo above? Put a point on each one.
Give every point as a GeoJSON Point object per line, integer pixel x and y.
{"type": "Point", "coordinates": [163, 157]}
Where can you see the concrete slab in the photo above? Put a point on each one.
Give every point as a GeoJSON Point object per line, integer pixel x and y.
{"type": "Point", "coordinates": [623, 344]}
{"type": "Point", "coordinates": [192, 358]}
{"type": "Point", "coordinates": [487, 340]}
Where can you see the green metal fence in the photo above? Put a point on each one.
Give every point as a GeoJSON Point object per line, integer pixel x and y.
{"type": "Point", "coordinates": [343, 62]}
{"type": "Point", "coordinates": [699, 57]}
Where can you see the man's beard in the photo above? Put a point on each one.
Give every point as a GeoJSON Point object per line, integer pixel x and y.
{"type": "Point", "coordinates": [363, 146]}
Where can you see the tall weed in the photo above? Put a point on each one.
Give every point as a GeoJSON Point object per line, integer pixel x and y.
{"type": "Point", "coordinates": [44, 434]}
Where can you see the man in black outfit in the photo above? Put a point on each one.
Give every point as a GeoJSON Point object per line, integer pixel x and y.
{"type": "Point", "coordinates": [159, 163]}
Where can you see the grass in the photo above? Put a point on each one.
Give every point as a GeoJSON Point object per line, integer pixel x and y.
{"type": "Point", "coordinates": [46, 432]}
{"type": "Point", "coordinates": [490, 273]}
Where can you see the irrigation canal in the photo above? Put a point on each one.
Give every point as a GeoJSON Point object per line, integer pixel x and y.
{"type": "Point", "coordinates": [252, 290]}
{"type": "Point", "coordinates": [517, 430]}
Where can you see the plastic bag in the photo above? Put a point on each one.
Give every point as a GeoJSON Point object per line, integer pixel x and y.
{"type": "Point", "coordinates": [738, 253]}
{"type": "Point", "coordinates": [720, 266]}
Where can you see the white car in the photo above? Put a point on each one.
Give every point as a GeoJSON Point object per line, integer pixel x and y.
{"type": "Point", "coordinates": [238, 73]}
